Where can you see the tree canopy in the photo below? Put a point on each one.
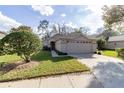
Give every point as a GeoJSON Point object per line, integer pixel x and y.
{"type": "Point", "coordinates": [21, 28]}
{"type": "Point", "coordinates": [84, 30]}
{"type": "Point", "coordinates": [113, 16]}
{"type": "Point", "coordinates": [43, 28]}
{"type": "Point", "coordinates": [24, 43]}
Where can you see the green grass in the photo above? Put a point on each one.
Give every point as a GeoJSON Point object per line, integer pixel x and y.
{"type": "Point", "coordinates": [9, 58]}
{"type": "Point", "coordinates": [47, 66]}
{"type": "Point", "coordinates": [110, 53]}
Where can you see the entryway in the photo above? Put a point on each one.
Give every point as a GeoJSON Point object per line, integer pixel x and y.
{"type": "Point", "coordinates": [52, 44]}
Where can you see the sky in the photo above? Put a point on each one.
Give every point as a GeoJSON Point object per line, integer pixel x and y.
{"type": "Point", "coordinates": [71, 15]}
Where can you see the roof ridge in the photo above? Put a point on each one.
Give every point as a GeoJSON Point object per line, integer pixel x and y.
{"type": "Point", "coordinates": [2, 32]}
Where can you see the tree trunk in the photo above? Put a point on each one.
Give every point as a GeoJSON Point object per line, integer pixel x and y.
{"type": "Point", "coordinates": [27, 59]}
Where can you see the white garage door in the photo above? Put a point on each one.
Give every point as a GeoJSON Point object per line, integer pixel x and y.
{"type": "Point", "coordinates": [79, 47]}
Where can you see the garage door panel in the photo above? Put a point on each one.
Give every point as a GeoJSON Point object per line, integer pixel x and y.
{"type": "Point", "coordinates": [79, 48]}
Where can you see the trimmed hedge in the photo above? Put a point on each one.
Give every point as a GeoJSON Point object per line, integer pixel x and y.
{"type": "Point", "coordinates": [98, 52]}
{"type": "Point", "coordinates": [45, 48]}
{"type": "Point", "coordinates": [60, 53]}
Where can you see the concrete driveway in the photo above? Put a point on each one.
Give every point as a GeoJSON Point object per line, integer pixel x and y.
{"type": "Point", "coordinates": [109, 71]}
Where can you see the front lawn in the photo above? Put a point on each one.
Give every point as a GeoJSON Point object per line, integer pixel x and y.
{"type": "Point", "coordinates": [48, 66]}
{"type": "Point", "coordinates": [111, 53]}
{"type": "Point", "coordinates": [9, 58]}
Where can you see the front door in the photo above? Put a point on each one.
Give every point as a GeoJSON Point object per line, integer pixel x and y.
{"type": "Point", "coordinates": [52, 45]}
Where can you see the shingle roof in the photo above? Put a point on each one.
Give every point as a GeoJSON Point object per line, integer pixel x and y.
{"type": "Point", "coordinates": [69, 36]}
{"type": "Point", "coordinates": [2, 32]}
{"type": "Point", "coordinates": [116, 38]}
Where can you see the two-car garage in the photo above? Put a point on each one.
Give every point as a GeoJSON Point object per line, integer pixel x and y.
{"type": "Point", "coordinates": [77, 45]}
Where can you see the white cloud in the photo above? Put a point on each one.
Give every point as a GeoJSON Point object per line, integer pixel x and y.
{"type": "Point", "coordinates": [94, 19]}
{"type": "Point", "coordinates": [63, 14]}
{"type": "Point", "coordinates": [6, 23]}
{"type": "Point", "coordinates": [44, 10]}
{"type": "Point", "coordinates": [70, 24]}
{"type": "Point", "coordinates": [96, 9]}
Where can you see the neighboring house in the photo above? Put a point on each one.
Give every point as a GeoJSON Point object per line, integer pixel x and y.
{"type": "Point", "coordinates": [115, 42]}
{"type": "Point", "coordinates": [2, 34]}
{"type": "Point", "coordinates": [71, 43]}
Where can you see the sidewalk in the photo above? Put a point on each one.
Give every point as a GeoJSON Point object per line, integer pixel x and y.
{"type": "Point", "coordinates": [75, 80]}
{"type": "Point", "coordinates": [54, 54]}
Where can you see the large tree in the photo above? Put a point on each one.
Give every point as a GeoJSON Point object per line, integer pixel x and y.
{"type": "Point", "coordinates": [43, 28]}
{"type": "Point", "coordinates": [106, 34]}
{"type": "Point", "coordinates": [113, 17]}
{"type": "Point", "coordinates": [55, 29]}
{"type": "Point", "coordinates": [84, 30]}
{"type": "Point", "coordinates": [23, 43]}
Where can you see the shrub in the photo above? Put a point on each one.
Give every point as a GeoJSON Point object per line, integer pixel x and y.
{"type": "Point", "coordinates": [99, 52]}
{"type": "Point", "coordinates": [60, 53]}
{"type": "Point", "coordinates": [95, 52]}
{"type": "Point", "coordinates": [24, 43]}
{"type": "Point", "coordinates": [120, 52]}
{"type": "Point", "coordinates": [46, 48]}
{"type": "Point", "coordinates": [101, 44]}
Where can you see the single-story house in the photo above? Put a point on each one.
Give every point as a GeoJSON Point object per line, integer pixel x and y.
{"type": "Point", "coordinates": [2, 34]}
{"type": "Point", "coordinates": [71, 43]}
{"type": "Point", "coordinates": [115, 42]}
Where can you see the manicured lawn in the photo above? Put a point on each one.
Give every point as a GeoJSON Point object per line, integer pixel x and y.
{"type": "Point", "coordinates": [47, 66]}
{"type": "Point", "coordinates": [9, 58]}
{"type": "Point", "coordinates": [110, 53]}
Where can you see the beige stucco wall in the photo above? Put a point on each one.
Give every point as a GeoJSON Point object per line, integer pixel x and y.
{"type": "Point", "coordinates": [58, 45]}
{"type": "Point", "coordinates": [77, 46]}
{"type": "Point", "coordinates": [94, 46]}
{"type": "Point", "coordinates": [114, 45]}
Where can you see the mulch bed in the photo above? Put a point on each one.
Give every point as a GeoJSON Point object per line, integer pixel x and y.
{"type": "Point", "coordinates": [20, 65]}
